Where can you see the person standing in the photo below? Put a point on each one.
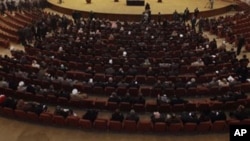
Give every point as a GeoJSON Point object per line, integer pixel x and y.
{"type": "Point", "coordinates": [211, 4]}
{"type": "Point", "coordinates": [196, 12]}
{"type": "Point", "coordinates": [240, 43]}
{"type": "Point", "coordinates": [186, 15]}
{"type": "Point", "coordinates": [147, 7]}
{"type": "Point", "coordinates": [193, 23]}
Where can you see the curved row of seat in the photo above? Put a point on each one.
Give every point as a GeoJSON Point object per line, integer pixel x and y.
{"type": "Point", "coordinates": [10, 24]}
{"type": "Point", "coordinates": [149, 106]}
{"type": "Point", "coordinates": [126, 126]}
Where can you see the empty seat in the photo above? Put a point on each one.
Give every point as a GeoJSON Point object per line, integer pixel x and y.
{"type": "Point", "coordinates": [51, 98]}
{"type": "Point", "coordinates": [87, 103]}
{"type": "Point", "coordinates": [145, 91]}
{"type": "Point", "coordinates": [100, 104]}
{"type": "Point", "coordinates": [151, 106]}
{"type": "Point", "coordinates": [190, 106]}
{"type": "Point", "coordinates": [62, 101]}
{"type": "Point", "coordinates": [112, 106]}
{"type": "Point", "coordinates": [121, 91]}
{"type": "Point", "coordinates": [245, 87]}
{"type": "Point", "coordinates": [180, 92]}
{"type": "Point", "coordinates": [178, 107]}
{"type": "Point", "coordinates": [140, 108]}
{"type": "Point", "coordinates": [203, 106]}
{"type": "Point", "coordinates": [125, 106]}
{"type": "Point", "coordinates": [163, 108]}
{"type": "Point", "coordinates": [216, 106]}
{"type": "Point", "coordinates": [98, 90]}
{"type": "Point", "coordinates": [133, 91]}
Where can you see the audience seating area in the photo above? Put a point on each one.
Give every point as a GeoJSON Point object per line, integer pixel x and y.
{"type": "Point", "coordinates": [135, 56]}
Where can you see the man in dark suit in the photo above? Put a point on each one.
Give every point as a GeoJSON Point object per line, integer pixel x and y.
{"type": "Point", "coordinates": [117, 116]}
{"type": "Point", "coordinates": [132, 116]}
{"type": "Point", "coordinates": [91, 115]}
{"type": "Point", "coordinates": [147, 6]}
{"type": "Point", "coordinates": [241, 42]}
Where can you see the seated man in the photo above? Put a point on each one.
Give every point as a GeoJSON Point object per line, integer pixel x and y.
{"type": "Point", "coordinates": [172, 118]}
{"type": "Point", "coordinates": [139, 100]}
{"type": "Point", "coordinates": [91, 115]}
{"type": "Point", "coordinates": [157, 117]}
{"type": "Point", "coordinates": [114, 98]}
{"type": "Point", "coordinates": [76, 95]}
{"type": "Point", "coordinates": [127, 98]}
{"type": "Point", "coordinates": [188, 117]}
{"type": "Point", "coordinates": [162, 99]}
{"type": "Point", "coordinates": [217, 115]}
{"type": "Point", "coordinates": [117, 116]}
{"type": "Point", "coordinates": [63, 112]}
{"type": "Point", "coordinates": [132, 116]}
{"type": "Point", "coordinates": [240, 113]}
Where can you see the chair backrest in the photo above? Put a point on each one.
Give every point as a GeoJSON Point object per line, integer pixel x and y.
{"type": "Point", "coordinates": [115, 125]}
{"type": "Point", "coordinates": [144, 126]}
{"type": "Point", "coordinates": [218, 126]}
{"type": "Point", "coordinates": [175, 127]}
{"type": "Point", "coordinates": [189, 127]}
{"type": "Point", "coordinates": [159, 127]}
{"type": "Point", "coordinates": [101, 124]}
{"type": "Point", "coordinates": [204, 126]}
{"type": "Point", "coordinates": [72, 121]}
{"type": "Point", "coordinates": [129, 126]}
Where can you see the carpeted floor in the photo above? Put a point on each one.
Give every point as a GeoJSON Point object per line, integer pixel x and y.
{"type": "Point", "coordinates": [13, 130]}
